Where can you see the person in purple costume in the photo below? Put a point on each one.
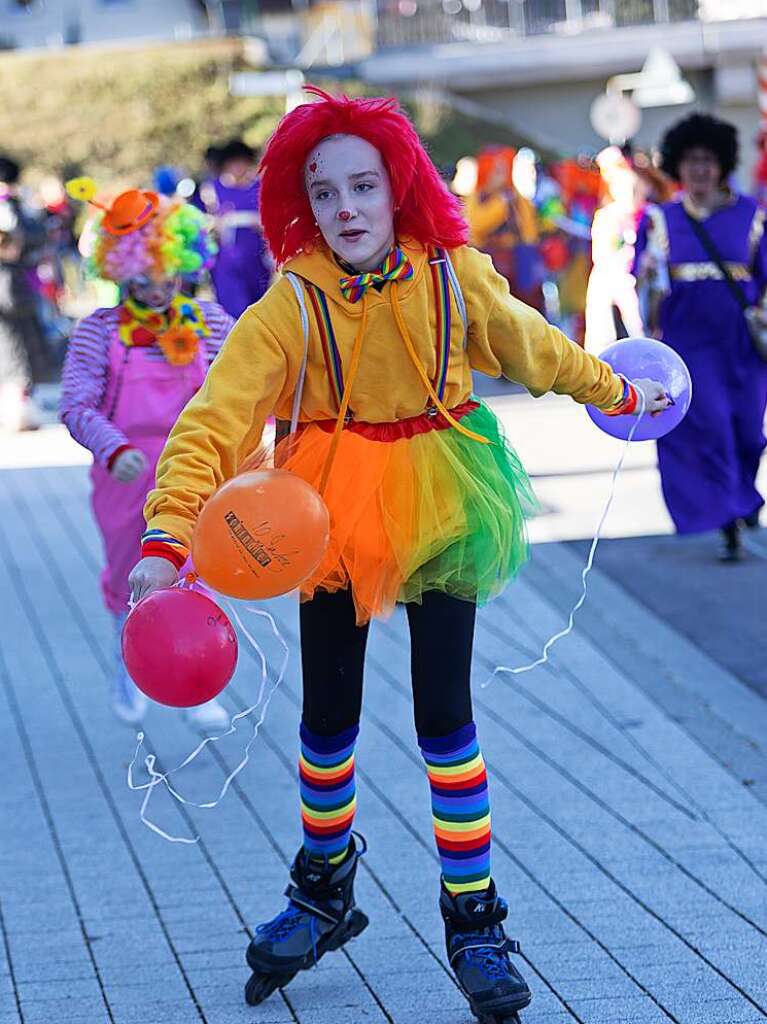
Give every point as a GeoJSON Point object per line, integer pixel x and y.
{"type": "Point", "coordinates": [709, 463]}
{"type": "Point", "coordinates": [242, 271]}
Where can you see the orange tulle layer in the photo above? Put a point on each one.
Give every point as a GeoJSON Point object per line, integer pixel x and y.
{"type": "Point", "coordinates": [415, 506]}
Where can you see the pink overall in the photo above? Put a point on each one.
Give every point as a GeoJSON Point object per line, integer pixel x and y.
{"type": "Point", "coordinates": [143, 398]}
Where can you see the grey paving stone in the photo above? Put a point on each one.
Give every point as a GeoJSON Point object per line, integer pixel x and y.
{"type": "Point", "coordinates": [342, 1015]}
{"type": "Point", "coordinates": [609, 1011]}
{"type": "Point", "coordinates": [424, 1016]}
{"type": "Point", "coordinates": [65, 1011]}
{"type": "Point", "coordinates": [67, 991]}
{"type": "Point", "coordinates": [541, 818]}
{"type": "Point", "coordinates": [224, 1016]}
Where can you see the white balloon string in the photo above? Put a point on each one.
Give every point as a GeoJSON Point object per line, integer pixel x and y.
{"type": "Point", "coordinates": [544, 657]}
{"type": "Point", "coordinates": [162, 778]}
{"type": "Point", "coordinates": [149, 762]}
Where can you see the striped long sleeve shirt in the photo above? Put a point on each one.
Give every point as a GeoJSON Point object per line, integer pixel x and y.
{"type": "Point", "coordinates": [84, 379]}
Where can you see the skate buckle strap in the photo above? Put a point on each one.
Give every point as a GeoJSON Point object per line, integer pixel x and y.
{"type": "Point", "coordinates": [299, 899]}
{"type": "Point", "coordinates": [490, 915]}
{"type": "Point", "coordinates": [512, 946]}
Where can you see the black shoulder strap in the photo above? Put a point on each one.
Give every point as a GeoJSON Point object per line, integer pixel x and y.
{"type": "Point", "coordinates": [707, 242]}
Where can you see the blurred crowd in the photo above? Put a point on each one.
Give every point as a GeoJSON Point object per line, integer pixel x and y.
{"type": "Point", "coordinates": [45, 237]}
{"type": "Point", "coordinates": [562, 233]}
{"type": "Point", "coordinates": [38, 262]}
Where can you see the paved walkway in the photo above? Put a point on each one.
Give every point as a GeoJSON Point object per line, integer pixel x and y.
{"type": "Point", "coordinates": [629, 783]}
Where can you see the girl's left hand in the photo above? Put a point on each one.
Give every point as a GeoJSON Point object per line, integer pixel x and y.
{"type": "Point", "coordinates": [655, 397]}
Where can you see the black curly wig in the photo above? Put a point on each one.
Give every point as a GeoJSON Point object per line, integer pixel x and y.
{"type": "Point", "coordinates": [9, 169]}
{"type": "Point", "coordinates": [700, 131]}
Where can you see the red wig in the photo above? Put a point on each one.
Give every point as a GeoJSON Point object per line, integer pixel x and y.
{"type": "Point", "coordinates": [425, 209]}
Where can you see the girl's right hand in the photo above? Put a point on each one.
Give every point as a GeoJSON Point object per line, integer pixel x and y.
{"type": "Point", "coordinates": [151, 574]}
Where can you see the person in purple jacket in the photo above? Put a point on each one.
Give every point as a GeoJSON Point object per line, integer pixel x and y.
{"type": "Point", "coordinates": [709, 464]}
{"type": "Point", "coordinates": [243, 269]}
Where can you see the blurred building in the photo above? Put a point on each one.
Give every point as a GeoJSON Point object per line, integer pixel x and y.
{"type": "Point", "coordinates": [534, 66]}
{"type": "Point", "coordinates": [310, 32]}
{"type": "Point", "coordinates": [27, 24]}
{"type": "Point", "coordinates": [537, 65]}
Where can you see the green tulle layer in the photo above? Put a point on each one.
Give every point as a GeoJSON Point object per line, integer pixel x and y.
{"type": "Point", "coordinates": [495, 497]}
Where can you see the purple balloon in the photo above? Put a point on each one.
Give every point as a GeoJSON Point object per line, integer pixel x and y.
{"type": "Point", "coordinates": [646, 358]}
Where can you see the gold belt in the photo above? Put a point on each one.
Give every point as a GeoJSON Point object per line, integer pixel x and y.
{"type": "Point", "coordinates": [708, 272]}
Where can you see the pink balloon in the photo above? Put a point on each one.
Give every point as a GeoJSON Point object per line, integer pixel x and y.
{"type": "Point", "coordinates": [179, 647]}
{"type": "Point", "coordinates": [644, 357]}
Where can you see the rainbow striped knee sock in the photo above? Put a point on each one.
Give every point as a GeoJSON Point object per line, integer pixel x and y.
{"type": "Point", "coordinates": [460, 807]}
{"type": "Point", "coordinates": [328, 791]}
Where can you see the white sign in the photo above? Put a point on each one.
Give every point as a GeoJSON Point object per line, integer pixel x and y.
{"type": "Point", "coordinates": [658, 84]}
{"type": "Point", "coordinates": [266, 83]}
{"type": "Point", "coordinates": [615, 117]}
{"type": "Point", "coordinates": [661, 83]}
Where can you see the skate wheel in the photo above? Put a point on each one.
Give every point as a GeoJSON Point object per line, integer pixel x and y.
{"type": "Point", "coordinates": [261, 986]}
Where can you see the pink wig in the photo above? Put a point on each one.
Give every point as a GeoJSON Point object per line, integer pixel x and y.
{"type": "Point", "coordinates": [425, 209]}
{"type": "Point", "coordinates": [175, 241]}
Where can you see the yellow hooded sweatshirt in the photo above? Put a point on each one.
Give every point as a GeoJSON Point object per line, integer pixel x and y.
{"type": "Point", "coordinates": [256, 372]}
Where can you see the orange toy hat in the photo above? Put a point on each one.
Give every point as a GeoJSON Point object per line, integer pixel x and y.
{"type": "Point", "coordinates": [128, 212]}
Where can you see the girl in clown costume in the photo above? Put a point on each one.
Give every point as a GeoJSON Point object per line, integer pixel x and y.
{"type": "Point", "coordinates": [425, 496]}
{"type": "Point", "coordinates": [129, 372]}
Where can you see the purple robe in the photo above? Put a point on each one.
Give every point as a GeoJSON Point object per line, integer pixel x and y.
{"type": "Point", "coordinates": [708, 464]}
{"type": "Point", "coordinates": [243, 269]}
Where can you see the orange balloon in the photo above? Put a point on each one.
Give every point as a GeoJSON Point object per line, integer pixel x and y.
{"type": "Point", "coordinates": [260, 535]}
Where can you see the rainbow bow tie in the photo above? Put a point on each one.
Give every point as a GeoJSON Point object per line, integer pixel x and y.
{"type": "Point", "coordinates": [396, 267]}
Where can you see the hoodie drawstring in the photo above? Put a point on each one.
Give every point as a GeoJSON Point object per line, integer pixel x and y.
{"type": "Point", "coordinates": [402, 326]}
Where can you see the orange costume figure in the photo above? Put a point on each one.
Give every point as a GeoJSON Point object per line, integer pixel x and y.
{"type": "Point", "coordinates": [502, 223]}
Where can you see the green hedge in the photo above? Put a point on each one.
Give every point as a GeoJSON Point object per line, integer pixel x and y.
{"type": "Point", "coordinates": [117, 113]}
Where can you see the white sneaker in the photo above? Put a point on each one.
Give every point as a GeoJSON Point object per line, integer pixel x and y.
{"type": "Point", "coordinates": [31, 415]}
{"type": "Point", "coordinates": [11, 406]}
{"type": "Point", "coordinates": [209, 716]}
{"type": "Point", "coordinates": [128, 702]}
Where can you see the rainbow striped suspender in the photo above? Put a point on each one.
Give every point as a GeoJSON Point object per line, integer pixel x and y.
{"type": "Point", "coordinates": [441, 283]}
{"type": "Point", "coordinates": [330, 353]}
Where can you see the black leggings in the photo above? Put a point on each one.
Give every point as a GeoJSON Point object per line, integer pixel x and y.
{"type": "Point", "coordinates": [333, 658]}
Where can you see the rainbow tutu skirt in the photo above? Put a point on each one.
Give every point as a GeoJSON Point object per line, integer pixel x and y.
{"type": "Point", "coordinates": [416, 506]}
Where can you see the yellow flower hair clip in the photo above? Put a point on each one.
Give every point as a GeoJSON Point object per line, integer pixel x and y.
{"type": "Point", "coordinates": [83, 189]}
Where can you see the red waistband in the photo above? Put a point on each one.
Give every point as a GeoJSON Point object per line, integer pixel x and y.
{"type": "Point", "coordinates": [401, 428]}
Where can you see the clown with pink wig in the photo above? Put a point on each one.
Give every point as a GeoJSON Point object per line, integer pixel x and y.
{"type": "Point", "coordinates": [364, 349]}
{"type": "Point", "coordinates": [129, 372]}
